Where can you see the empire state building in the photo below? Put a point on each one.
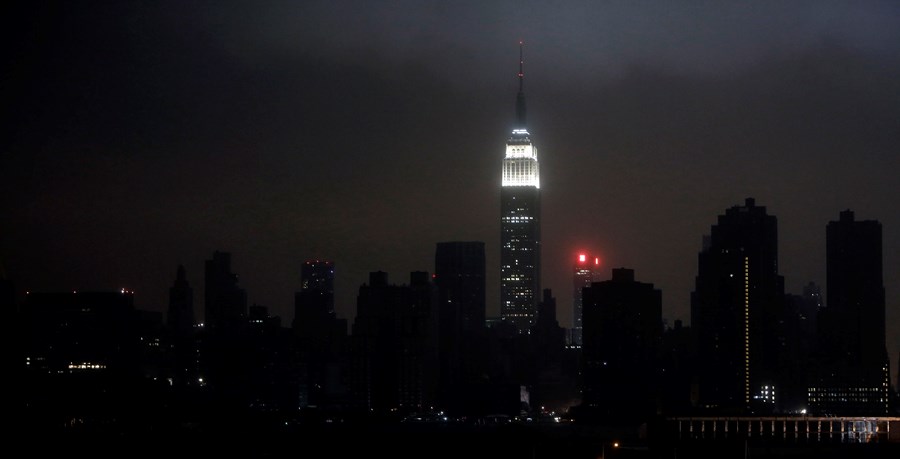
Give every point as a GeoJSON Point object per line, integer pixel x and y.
{"type": "Point", "coordinates": [520, 222]}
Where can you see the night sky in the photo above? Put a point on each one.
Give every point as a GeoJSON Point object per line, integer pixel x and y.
{"type": "Point", "coordinates": [141, 135]}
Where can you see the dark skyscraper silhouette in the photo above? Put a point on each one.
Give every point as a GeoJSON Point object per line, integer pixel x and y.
{"type": "Point", "coordinates": [797, 332]}
{"type": "Point", "coordinates": [318, 276]}
{"type": "Point", "coordinates": [459, 270]}
{"type": "Point", "coordinates": [394, 338]}
{"type": "Point", "coordinates": [224, 351]}
{"type": "Point", "coordinates": [82, 356]}
{"type": "Point", "coordinates": [854, 375]}
{"type": "Point", "coordinates": [320, 335]}
{"type": "Point", "coordinates": [584, 274]}
{"type": "Point", "coordinates": [225, 302]}
{"type": "Point", "coordinates": [75, 332]}
{"type": "Point", "coordinates": [735, 311]}
{"type": "Point", "coordinates": [314, 303]}
{"type": "Point", "coordinates": [459, 274]}
{"type": "Point", "coordinates": [622, 337]}
{"type": "Point", "coordinates": [180, 317]}
{"type": "Point", "coordinates": [520, 222]}
{"type": "Point", "coordinates": [180, 321]}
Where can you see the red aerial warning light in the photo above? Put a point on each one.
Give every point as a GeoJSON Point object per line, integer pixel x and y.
{"type": "Point", "coordinates": [596, 261]}
{"type": "Point", "coordinates": [581, 258]}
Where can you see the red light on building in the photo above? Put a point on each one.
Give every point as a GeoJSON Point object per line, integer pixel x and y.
{"type": "Point", "coordinates": [581, 258]}
{"type": "Point", "coordinates": [596, 261]}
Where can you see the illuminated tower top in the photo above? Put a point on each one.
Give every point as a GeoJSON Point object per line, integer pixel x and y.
{"type": "Point", "coordinates": [520, 166]}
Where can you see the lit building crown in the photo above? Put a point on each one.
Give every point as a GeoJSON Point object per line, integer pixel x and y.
{"type": "Point", "coordinates": [520, 166]}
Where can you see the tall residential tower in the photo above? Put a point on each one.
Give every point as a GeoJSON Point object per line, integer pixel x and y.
{"type": "Point", "coordinates": [520, 222]}
{"type": "Point", "coordinates": [735, 310]}
{"type": "Point", "coordinates": [853, 372]}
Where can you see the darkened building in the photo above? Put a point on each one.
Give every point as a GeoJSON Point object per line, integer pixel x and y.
{"type": "Point", "coordinates": [459, 270]}
{"type": "Point", "coordinates": [320, 337]}
{"type": "Point", "coordinates": [853, 375]}
{"type": "Point", "coordinates": [223, 348]}
{"type": "Point", "coordinates": [272, 376]}
{"type": "Point", "coordinates": [225, 302]}
{"type": "Point", "coordinates": [797, 331]}
{"type": "Point", "coordinates": [735, 312]}
{"type": "Point", "coordinates": [318, 276]}
{"type": "Point", "coordinates": [459, 275]}
{"type": "Point", "coordinates": [90, 331]}
{"type": "Point", "coordinates": [81, 356]}
{"type": "Point", "coordinates": [622, 333]}
{"type": "Point", "coordinates": [552, 385]}
{"type": "Point", "coordinates": [584, 274]}
{"type": "Point", "coordinates": [678, 366]}
{"type": "Point", "coordinates": [395, 344]}
{"type": "Point", "coordinates": [520, 223]}
{"type": "Point", "coordinates": [314, 303]}
{"type": "Point", "coordinates": [181, 327]}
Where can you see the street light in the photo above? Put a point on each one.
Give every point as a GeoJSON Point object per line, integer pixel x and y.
{"type": "Point", "coordinates": [615, 445]}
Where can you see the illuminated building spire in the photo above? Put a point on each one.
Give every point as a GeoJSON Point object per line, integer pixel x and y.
{"type": "Point", "coordinates": [520, 97]}
{"type": "Point", "coordinates": [520, 226]}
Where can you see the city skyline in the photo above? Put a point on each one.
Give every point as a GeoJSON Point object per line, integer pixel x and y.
{"type": "Point", "coordinates": [145, 137]}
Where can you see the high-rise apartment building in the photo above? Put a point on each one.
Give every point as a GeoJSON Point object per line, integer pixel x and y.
{"type": "Point", "coordinates": [735, 311]}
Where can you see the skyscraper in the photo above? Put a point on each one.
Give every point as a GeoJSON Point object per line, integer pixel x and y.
{"type": "Point", "coordinates": [319, 334]}
{"type": "Point", "coordinates": [622, 336]}
{"type": "Point", "coordinates": [180, 319]}
{"type": "Point", "coordinates": [735, 310]}
{"type": "Point", "coordinates": [520, 222]}
{"type": "Point", "coordinates": [459, 276]}
{"type": "Point", "coordinates": [225, 302]}
{"type": "Point", "coordinates": [585, 269]}
{"type": "Point", "coordinates": [395, 341]}
{"type": "Point", "coordinates": [82, 357]}
{"type": "Point", "coordinates": [224, 356]}
{"type": "Point", "coordinates": [314, 303]}
{"type": "Point", "coordinates": [318, 276]}
{"type": "Point", "coordinates": [854, 375]}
